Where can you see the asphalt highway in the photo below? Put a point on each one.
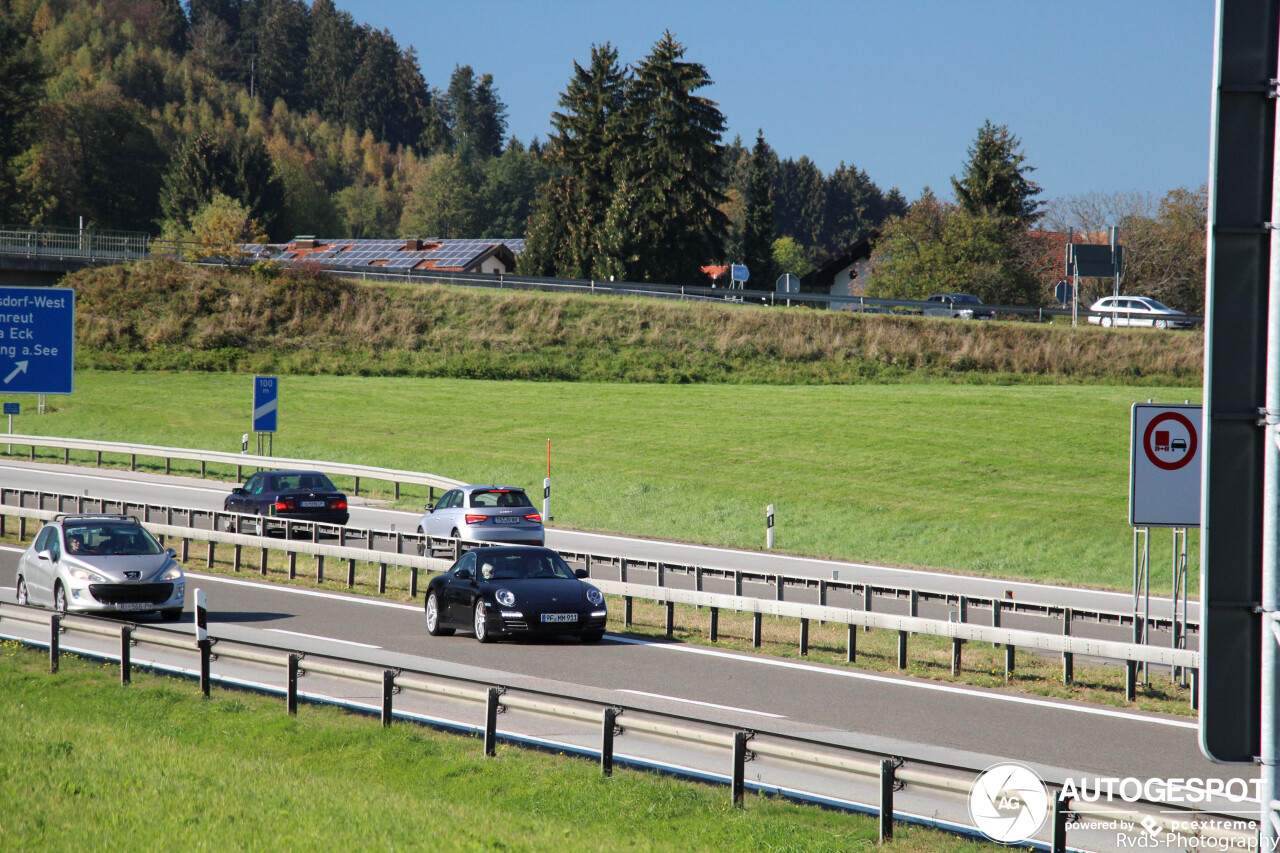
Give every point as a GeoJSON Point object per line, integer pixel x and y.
{"type": "Point", "coordinates": [209, 494]}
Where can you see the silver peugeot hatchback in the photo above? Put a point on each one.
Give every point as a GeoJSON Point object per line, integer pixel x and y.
{"type": "Point", "coordinates": [484, 514]}
{"type": "Point", "coordinates": [101, 564]}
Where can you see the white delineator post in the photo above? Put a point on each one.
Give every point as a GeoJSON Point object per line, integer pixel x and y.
{"type": "Point", "coordinates": [546, 488]}
{"type": "Point", "coordinates": [768, 535]}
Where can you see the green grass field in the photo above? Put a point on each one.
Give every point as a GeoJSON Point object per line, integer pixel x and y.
{"type": "Point", "coordinates": [1020, 482]}
{"type": "Point", "coordinates": [91, 765]}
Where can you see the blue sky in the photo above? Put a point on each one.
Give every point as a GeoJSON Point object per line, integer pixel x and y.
{"type": "Point", "coordinates": [1106, 95]}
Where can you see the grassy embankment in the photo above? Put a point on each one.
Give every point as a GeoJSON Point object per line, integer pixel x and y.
{"type": "Point", "coordinates": [91, 765]}
{"type": "Point", "coordinates": [166, 316]}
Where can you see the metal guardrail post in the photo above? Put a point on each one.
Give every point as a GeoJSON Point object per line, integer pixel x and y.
{"type": "Point", "coordinates": [606, 741]}
{"type": "Point", "coordinates": [351, 573]}
{"type": "Point", "coordinates": [413, 581]}
{"type": "Point", "coordinates": [319, 568]}
{"type": "Point", "coordinates": [738, 790]}
{"type": "Point", "coordinates": [715, 624]}
{"type": "Point", "coordinates": [804, 637]}
{"type": "Point", "coordinates": [887, 781]}
{"type": "Point", "coordinates": [388, 690]}
{"type": "Point", "coordinates": [235, 561]}
{"type": "Point", "coordinates": [206, 656]}
{"type": "Point", "coordinates": [208, 560]}
{"type": "Point", "coordinates": [866, 602]}
{"type": "Point", "coordinates": [382, 578]}
{"type": "Point", "coordinates": [1130, 680]}
{"type": "Point", "coordinates": [126, 660]}
{"type": "Point", "coordinates": [262, 566]}
{"type": "Point", "coordinates": [293, 564]}
{"type": "Point", "coordinates": [55, 632]}
{"type": "Point", "coordinates": [902, 650]}
{"type": "Point", "coordinates": [757, 624]}
{"type": "Point", "coordinates": [627, 604]}
{"type": "Point", "coordinates": [1010, 658]}
{"type": "Point", "coordinates": [956, 645]}
{"type": "Point", "coordinates": [671, 618]}
{"type": "Point", "coordinates": [291, 694]}
{"type": "Point", "coordinates": [851, 654]}
{"type": "Point", "coordinates": [491, 721]}
{"type": "Point", "coordinates": [1060, 815]}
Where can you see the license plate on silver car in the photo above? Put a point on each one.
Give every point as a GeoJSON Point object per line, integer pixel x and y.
{"type": "Point", "coordinates": [311, 504]}
{"type": "Point", "coordinates": [506, 519]}
{"type": "Point", "coordinates": [559, 617]}
{"type": "Point", "coordinates": [133, 605]}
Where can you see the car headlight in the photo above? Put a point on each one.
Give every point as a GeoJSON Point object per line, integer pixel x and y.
{"type": "Point", "coordinates": [174, 573]}
{"type": "Point", "coordinates": [86, 575]}
{"type": "Point", "coordinates": [505, 597]}
{"type": "Point", "coordinates": [595, 596]}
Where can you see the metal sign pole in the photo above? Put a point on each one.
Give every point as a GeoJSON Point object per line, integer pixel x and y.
{"type": "Point", "coordinates": [1269, 829]}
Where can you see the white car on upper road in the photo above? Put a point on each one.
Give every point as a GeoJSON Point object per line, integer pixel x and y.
{"type": "Point", "coordinates": [1136, 311]}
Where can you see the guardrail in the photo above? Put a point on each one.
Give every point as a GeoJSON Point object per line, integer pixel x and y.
{"type": "Point", "coordinates": [959, 632]}
{"type": "Point", "coordinates": [111, 247]}
{"type": "Point", "coordinates": [239, 461]}
{"type": "Point", "coordinates": [718, 743]}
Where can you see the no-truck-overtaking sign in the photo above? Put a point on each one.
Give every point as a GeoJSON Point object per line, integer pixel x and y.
{"type": "Point", "coordinates": [1164, 474]}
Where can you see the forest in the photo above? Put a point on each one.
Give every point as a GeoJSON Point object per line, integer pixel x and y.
{"type": "Point", "coordinates": [273, 118]}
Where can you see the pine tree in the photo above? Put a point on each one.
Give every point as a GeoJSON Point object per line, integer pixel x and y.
{"type": "Point", "coordinates": [570, 210]}
{"type": "Point", "coordinates": [995, 182]}
{"type": "Point", "coordinates": [670, 219]}
{"type": "Point", "coordinates": [757, 230]}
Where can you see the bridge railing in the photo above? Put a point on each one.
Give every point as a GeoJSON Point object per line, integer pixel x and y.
{"type": "Point", "coordinates": [73, 243]}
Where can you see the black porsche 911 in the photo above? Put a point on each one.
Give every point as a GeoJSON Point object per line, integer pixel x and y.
{"type": "Point", "coordinates": [515, 589]}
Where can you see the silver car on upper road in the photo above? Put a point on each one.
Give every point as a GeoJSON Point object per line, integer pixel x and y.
{"type": "Point", "coordinates": [484, 514]}
{"type": "Point", "coordinates": [101, 564]}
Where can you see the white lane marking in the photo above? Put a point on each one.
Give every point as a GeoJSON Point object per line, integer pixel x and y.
{"type": "Point", "coordinates": [117, 480]}
{"type": "Point", "coordinates": [315, 593]}
{"type": "Point", "coordinates": [800, 667]}
{"type": "Point", "coordinates": [318, 637]}
{"type": "Point", "coordinates": [703, 704]}
{"type": "Point", "coordinates": [919, 685]}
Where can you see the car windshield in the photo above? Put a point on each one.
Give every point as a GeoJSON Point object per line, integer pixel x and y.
{"type": "Point", "coordinates": [314, 482]}
{"type": "Point", "coordinates": [523, 566]}
{"type": "Point", "coordinates": [967, 297]}
{"type": "Point", "coordinates": [104, 539]}
{"type": "Point", "coordinates": [1157, 305]}
{"type": "Point", "coordinates": [500, 497]}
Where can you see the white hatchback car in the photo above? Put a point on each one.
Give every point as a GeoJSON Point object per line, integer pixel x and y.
{"type": "Point", "coordinates": [1136, 311]}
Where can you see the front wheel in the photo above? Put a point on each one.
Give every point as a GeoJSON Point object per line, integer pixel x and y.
{"type": "Point", "coordinates": [23, 597]}
{"type": "Point", "coordinates": [1106, 322]}
{"type": "Point", "coordinates": [60, 599]}
{"type": "Point", "coordinates": [481, 625]}
{"type": "Point", "coordinates": [433, 618]}
{"type": "Point", "coordinates": [1162, 324]}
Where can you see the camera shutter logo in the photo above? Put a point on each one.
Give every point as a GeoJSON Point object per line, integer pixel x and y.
{"type": "Point", "coordinates": [1008, 803]}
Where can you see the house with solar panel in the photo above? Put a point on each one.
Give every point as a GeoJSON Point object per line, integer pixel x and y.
{"type": "Point", "coordinates": [491, 257]}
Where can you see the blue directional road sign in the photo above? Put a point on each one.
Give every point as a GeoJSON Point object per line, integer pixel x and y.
{"type": "Point", "coordinates": [37, 340]}
{"type": "Point", "coordinates": [13, 408]}
{"type": "Point", "coordinates": [266, 403]}
{"type": "Point", "coordinates": [739, 272]}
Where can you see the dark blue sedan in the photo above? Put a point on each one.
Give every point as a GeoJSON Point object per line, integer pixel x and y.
{"type": "Point", "coordinates": [514, 590]}
{"type": "Point", "coordinates": [279, 496]}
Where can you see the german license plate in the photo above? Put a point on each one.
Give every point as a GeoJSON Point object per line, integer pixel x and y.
{"type": "Point", "coordinates": [311, 504]}
{"type": "Point", "coordinates": [559, 617]}
{"type": "Point", "coordinates": [506, 519]}
{"type": "Point", "coordinates": [133, 606]}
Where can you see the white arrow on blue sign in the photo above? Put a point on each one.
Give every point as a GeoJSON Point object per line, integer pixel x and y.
{"type": "Point", "coordinates": [266, 403]}
{"type": "Point", "coordinates": [37, 340]}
